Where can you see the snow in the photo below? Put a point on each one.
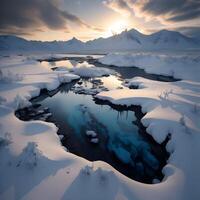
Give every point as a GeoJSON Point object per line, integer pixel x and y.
{"type": "Point", "coordinates": [94, 140]}
{"type": "Point", "coordinates": [17, 92]}
{"type": "Point", "coordinates": [91, 133]}
{"type": "Point", "coordinates": [91, 71]}
{"type": "Point", "coordinates": [134, 40]}
{"type": "Point", "coordinates": [171, 109]}
{"type": "Point", "coordinates": [34, 164]}
{"type": "Point", "coordinates": [178, 66]}
{"type": "Point", "coordinates": [61, 137]}
{"type": "Point", "coordinates": [29, 156]}
{"type": "Point", "coordinates": [93, 136]}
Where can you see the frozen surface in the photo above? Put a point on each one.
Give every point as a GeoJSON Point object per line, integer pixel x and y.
{"type": "Point", "coordinates": [172, 109]}
{"type": "Point", "coordinates": [91, 71]}
{"type": "Point", "coordinates": [82, 69]}
{"type": "Point", "coordinates": [34, 165]}
{"type": "Point", "coordinates": [178, 66]}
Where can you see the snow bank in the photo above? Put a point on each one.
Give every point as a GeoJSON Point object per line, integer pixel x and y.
{"type": "Point", "coordinates": [180, 66]}
{"type": "Point", "coordinates": [34, 165]}
{"type": "Point", "coordinates": [92, 71]}
{"type": "Point", "coordinates": [173, 109]}
{"type": "Point", "coordinates": [18, 91]}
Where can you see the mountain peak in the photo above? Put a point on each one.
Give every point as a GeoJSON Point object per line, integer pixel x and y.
{"type": "Point", "coordinates": [133, 30]}
{"type": "Point", "coordinates": [74, 39]}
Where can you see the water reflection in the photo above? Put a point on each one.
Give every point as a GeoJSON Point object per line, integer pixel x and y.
{"type": "Point", "coordinates": [120, 144]}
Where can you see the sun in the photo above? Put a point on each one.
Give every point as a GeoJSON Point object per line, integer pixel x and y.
{"type": "Point", "coordinates": [118, 27]}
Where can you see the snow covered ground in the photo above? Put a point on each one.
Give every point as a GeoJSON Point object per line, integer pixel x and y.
{"type": "Point", "coordinates": [181, 66]}
{"type": "Point", "coordinates": [173, 109]}
{"type": "Point", "coordinates": [34, 164]}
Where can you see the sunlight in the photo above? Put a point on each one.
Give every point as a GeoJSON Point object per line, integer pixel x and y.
{"type": "Point", "coordinates": [117, 27]}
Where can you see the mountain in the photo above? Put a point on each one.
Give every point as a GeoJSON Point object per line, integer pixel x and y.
{"type": "Point", "coordinates": [127, 40]}
{"type": "Point", "coordinates": [8, 42]}
{"type": "Point", "coordinates": [133, 40]}
{"type": "Point", "coordinates": [73, 44]}
{"type": "Point", "coordinates": [167, 39]}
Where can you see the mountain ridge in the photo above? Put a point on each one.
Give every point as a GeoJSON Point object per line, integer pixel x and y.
{"type": "Point", "coordinates": [126, 40]}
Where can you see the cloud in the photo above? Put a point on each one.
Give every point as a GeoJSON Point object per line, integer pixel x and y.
{"type": "Point", "coordinates": [24, 15]}
{"type": "Point", "coordinates": [120, 6]}
{"type": "Point", "coordinates": [163, 10]}
{"type": "Point", "coordinates": [171, 11]}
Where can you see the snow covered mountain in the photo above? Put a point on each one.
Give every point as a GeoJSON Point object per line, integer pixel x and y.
{"type": "Point", "coordinates": [171, 39]}
{"type": "Point", "coordinates": [131, 40]}
{"type": "Point", "coordinates": [73, 44]}
{"type": "Point", "coordinates": [127, 40]}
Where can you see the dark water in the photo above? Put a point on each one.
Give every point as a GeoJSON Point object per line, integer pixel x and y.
{"type": "Point", "coordinates": [122, 140]}
{"type": "Point", "coordinates": [124, 72]}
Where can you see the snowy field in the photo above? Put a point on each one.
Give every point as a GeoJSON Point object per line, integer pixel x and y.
{"type": "Point", "coordinates": [34, 164]}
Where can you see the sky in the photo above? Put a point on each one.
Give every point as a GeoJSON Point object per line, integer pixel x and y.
{"type": "Point", "coordinates": [49, 20]}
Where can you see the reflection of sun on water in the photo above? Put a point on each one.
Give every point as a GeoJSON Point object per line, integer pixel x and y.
{"type": "Point", "coordinates": [117, 28]}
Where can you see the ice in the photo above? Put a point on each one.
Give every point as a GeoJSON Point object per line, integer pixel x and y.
{"type": "Point", "coordinates": [43, 163]}
{"type": "Point", "coordinates": [67, 77]}
{"type": "Point", "coordinates": [122, 154]}
{"type": "Point", "coordinates": [61, 137]}
{"type": "Point", "coordinates": [94, 140]}
{"type": "Point", "coordinates": [158, 63]}
{"type": "Point", "coordinates": [91, 133]}
{"type": "Point", "coordinates": [80, 89]}
{"type": "Point", "coordinates": [171, 110]}
{"type": "Point", "coordinates": [91, 71]}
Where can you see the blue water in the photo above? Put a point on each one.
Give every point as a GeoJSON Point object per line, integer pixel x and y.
{"type": "Point", "coordinates": [120, 143]}
{"type": "Point", "coordinates": [122, 140]}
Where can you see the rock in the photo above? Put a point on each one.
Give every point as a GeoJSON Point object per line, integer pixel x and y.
{"type": "Point", "coordinates": [80, 82]}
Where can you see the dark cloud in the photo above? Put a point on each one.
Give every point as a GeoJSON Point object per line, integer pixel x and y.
{"type": "Point", "coordinates": [17, 32]}
{"type": "Point", "coordinates": [24, 15]}
{"type": "Point", "coordinates": [179, 10]}
{"type": "Point", "coordinates": [166, 10]}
